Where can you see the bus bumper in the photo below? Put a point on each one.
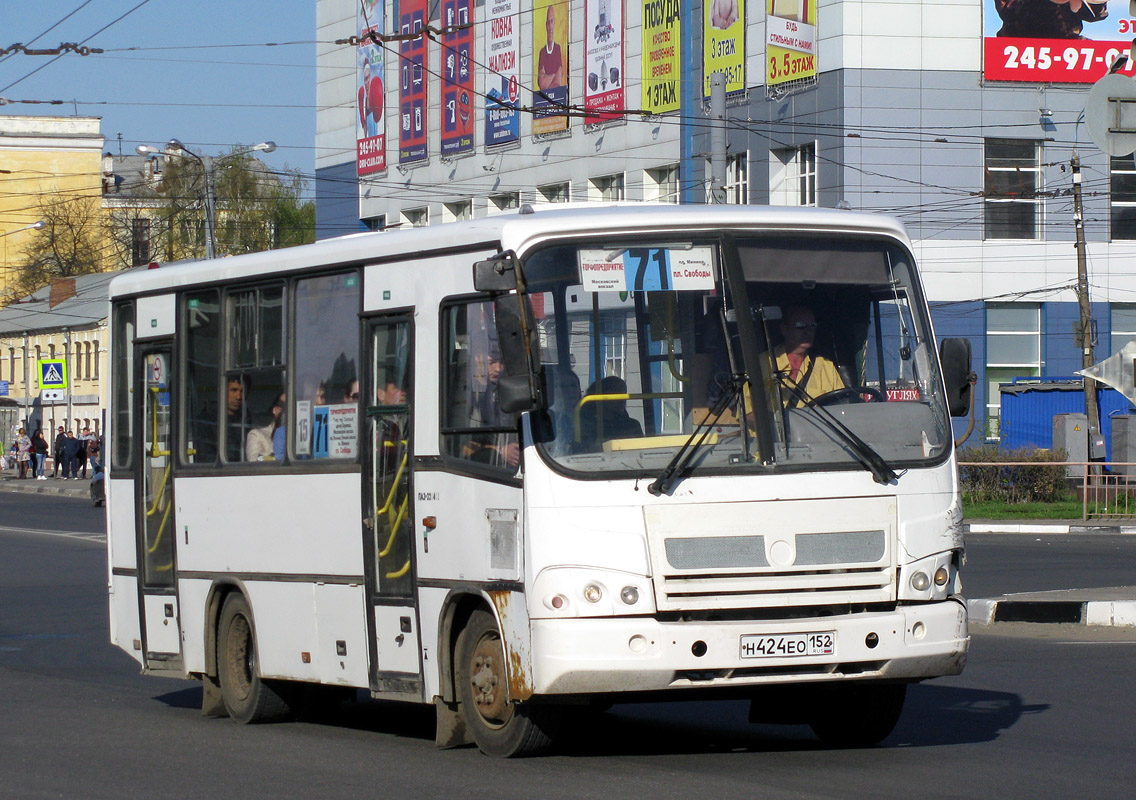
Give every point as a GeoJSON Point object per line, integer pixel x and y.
{"type": "Point", "coordinates": [613, 655]}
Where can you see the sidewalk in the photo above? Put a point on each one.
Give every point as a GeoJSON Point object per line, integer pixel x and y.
{"type": "Point", "coordinates": [78, 487]}
{"type": "Point", "coordinates": [1049, 526]}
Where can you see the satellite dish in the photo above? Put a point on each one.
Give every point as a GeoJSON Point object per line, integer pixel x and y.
{"type": "Point", "coordinates": [1110, 114]}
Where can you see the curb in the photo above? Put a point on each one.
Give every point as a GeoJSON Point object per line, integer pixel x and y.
{"type": "Point", "coordinates": [1048, 528]}
{"type": "Point", "coordinates": [1107, 613]}
{"type": "Point", "coordinates": [81, 488]}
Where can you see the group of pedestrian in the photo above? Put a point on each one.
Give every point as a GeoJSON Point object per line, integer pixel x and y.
{"type": "Point", "coordinates": [71, 454]}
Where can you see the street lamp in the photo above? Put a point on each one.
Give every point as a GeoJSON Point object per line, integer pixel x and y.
{"type": "Point", "coordinates": [38, 225]}
{"type": "Point", "coordinates": [175, 148]}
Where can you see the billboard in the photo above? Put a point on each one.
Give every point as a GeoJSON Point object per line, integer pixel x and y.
{"type": "Point", "coordinates": [550, 65]}
{"type": "Point", "coordinates": [502, 83]}
{"type": "Point", "coordinates": [412, 83]}
{"type": "Point", "coordinates": [603, 60]}
{"type": "Point", "coordinates": [370, 135]}
{"type": "Point", "coordinates": [723, 44]}
{"type": "Point", "coordinates": [660, 47]}
{"type": "Point", "coordinates": [1050, 42]}
{"type": "Point", "coordinates": [457, 78]}
{"type": "Point", "coordinates": [790, 40]}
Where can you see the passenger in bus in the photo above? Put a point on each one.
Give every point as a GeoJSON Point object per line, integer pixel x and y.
{"type": "Point", "coordinates": [565, 398]}
{"type": "Point", "coordinates": [603, 420]}
{"type": "Point", "coordinates": [500, 448]}
{"type": "Point", "coordinates": [235, 390]}
{"type": "Point", "coordinates": [351, 391]}
{"type": "Point", "coordinates": [261, 444]}
{"type": "Point", "coordinates": [810, 372]}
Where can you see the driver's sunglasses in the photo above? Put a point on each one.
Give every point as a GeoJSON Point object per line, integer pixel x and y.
{"type": "Point", "coordinates": [804, 325]}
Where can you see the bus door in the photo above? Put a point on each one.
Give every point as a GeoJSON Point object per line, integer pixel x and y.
{"type": "Point", "coordinates": [388, 504]}
{"type": "Point", "coordinates": [155, 513]}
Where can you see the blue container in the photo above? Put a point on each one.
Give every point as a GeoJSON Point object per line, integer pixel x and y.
{"type": "Point", "coordinates": [1029, 405]}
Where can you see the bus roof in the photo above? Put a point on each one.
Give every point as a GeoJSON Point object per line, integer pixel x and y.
{"type": "Point", "coordinates": [516, 231]}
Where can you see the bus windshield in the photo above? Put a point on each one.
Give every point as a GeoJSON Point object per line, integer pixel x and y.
{"type": "Point", "coordinates": [780, 352]}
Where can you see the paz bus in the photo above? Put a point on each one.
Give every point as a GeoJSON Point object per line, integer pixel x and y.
{"type": "Point", "coordinates": [552, 459]}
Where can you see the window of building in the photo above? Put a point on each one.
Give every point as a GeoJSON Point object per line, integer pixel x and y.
{"type": "Point", "coordinates": [1123, 325]}
{"type": "Point", "coordinates": [87, 359]}
{"type": "Point", "coordinates": [1122, 196]}
{"type": "Point", "coordinates": [474, 428]}
{"type": "Point", "coordinates": [139, 242]}
{"type": "Point", "coordinates": [607, 187]}
{"type": "Point", "coordinates": [661, 185]}
{"type": "Point", "coordinates": [1013, 350]}
{"type": "Point", "coordinates": [1012, 189]}
{"type": "Point", "coordinates": [416, 217]}
{"type": "Point", "coordinates": [456, 212]}
{"type": "Point", "coordinates": [499, 203]}
{"type": "Point", "coordinates": [555, 192]}
{"type": "Point", "coordinates": [95, 348]}
{"type": "Point", "coordinates": [792, 176]}
{"type": "Point", "coordinates": [374, 223]}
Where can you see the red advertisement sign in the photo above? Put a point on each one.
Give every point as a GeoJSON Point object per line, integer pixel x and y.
{"type": "Point", "coordinates": [1063, 41]}
{"type": "Point", "coordinates": [412, 83]}
{"type": "Point", "coordinates": [457, 78]}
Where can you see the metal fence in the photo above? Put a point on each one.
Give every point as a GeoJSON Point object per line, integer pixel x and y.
{"type": "Point", "coordinates": [1106, 489]}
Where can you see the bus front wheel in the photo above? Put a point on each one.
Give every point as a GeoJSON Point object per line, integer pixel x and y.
{"type": "Point", "coordinates": [498, 726]}
{"type": "Point", "coordinates": [247, 698]}
{"type": "Point", "coordinates": [857, 714]}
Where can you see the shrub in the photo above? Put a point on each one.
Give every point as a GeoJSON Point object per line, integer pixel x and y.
{"type": "Point", "coordinates": [1012, 484]}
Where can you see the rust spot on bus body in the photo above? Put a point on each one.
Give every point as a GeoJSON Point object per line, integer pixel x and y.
{"type": "Point", "coordinates": [520, 685]}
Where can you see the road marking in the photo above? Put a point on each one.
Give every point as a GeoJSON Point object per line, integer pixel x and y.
{"type": "Point", "coordinates": [85, 536]}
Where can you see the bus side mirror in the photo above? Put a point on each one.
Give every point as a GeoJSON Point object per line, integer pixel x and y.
{"type": "Point", "coordinates": [954, 355]}
{"type": "Point", "coordinates": [520, 389]}
{"type": "Point", "coordinates": [495, 275]}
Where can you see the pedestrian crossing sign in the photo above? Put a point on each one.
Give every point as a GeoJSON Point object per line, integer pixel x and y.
{"type": "Point", "coordinates": [52, 373]}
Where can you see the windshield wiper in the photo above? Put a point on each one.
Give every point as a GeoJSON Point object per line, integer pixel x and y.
{"type": "Point", "coordinates": [881, 470]}
{"type": "Point", "coordinates": [666, 479]}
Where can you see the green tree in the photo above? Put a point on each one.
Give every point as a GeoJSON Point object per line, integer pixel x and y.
{"type": "Point", "coordinates": [255, 209]}
{"type": "Point", "coordinates": [71, 243]}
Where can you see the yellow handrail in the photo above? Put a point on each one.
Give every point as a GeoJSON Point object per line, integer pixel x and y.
{"type": "Point", "coordinates": [595, 398]}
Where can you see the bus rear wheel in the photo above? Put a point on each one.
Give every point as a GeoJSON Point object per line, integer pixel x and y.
{"type": "Point", "coordinates": [857, 714]}
{"type": "Point", "coordinates": [247, 698]}
{"type": "Point", "coordinates": [499, 727]}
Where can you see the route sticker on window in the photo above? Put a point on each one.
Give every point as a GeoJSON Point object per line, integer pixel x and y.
{"type": "Point", "coordinates": [647, 269]}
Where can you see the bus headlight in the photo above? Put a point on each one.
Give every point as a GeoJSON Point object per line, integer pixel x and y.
{"type": "Point", "coordinates": [919, 581]}
{"type": "Point", "coordinates": [589, 592]}
{"type": "Point", "coordinates": [942, 575]}
{"type": "Point", "coordinates": [931, 578]}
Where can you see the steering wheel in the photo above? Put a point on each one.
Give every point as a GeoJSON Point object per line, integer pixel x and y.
{"type": "Point", "coordinates": [848, 394]}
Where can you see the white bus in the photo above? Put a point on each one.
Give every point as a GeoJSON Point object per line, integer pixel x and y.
{"type": "Point", "coordinates": [544, 460]}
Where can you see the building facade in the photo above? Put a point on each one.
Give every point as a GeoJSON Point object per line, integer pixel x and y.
{"type": "Point", "coordinates": [63, 325]}
{"type": "Point", "coordinates": [962, 123]}
{"type": "Point", "coordinates": [41, 157]}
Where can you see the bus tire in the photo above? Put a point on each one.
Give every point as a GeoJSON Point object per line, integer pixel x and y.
{"type": "Point", "coordinates": [499, 727]}
{"type": "Point", "coordinates": [247, 697]}
{"type": "Point", "coordinates": [857, 714]}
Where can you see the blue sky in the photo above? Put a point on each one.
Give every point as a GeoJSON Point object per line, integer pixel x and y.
{"type": "Point", "coordinates": [187, 79]}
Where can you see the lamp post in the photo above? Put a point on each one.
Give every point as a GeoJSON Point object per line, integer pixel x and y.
{"type": "Point", "coordinates": [175, 148]}
{"type": "Point", "coordinates": [38, 225]}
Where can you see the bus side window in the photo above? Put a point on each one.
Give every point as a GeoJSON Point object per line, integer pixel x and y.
{"type": "Point", "coordinates": [201, 407]}
{"type": "Point", "coordinates": [323, 416]}
{"type": "Point", "coordinates": [474, 428]}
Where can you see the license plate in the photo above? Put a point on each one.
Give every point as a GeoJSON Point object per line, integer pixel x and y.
{"type": "Point", "coordinates": [789, 645]}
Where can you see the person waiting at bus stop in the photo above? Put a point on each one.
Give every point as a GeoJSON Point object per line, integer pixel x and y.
{"type": "Point", "coordinates": [71, 448]}
{"type": "Point", "coordinates": [57, 452]}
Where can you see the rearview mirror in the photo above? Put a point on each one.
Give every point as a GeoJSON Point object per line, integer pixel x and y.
{"type": "Point", "coordinates": [954, 355]}
{"type": "Point", "coordinates": [495, 274]}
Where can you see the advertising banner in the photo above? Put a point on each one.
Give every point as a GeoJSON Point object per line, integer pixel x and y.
{"type": "Point", "coordinates": [550, 65]}
{"type": "Point", "coordinates": [457, 78]}
{"type": "Point", "coordinates": [370, 136]}
{"type": "Point", "coordinates": [1054, 42]}
{"type": "Point", "coordinates": [723, 44]}
{"type": "Point", "coordinates": [661, 31]}
{"type": "Point", "coordinates": [603, 60]}
{"type": "Point", "coordinates": [412, 83]}
{"type": "Point", "coordinates": [502, 84]}
{"type": "Point", "coordinates": [790, 40]}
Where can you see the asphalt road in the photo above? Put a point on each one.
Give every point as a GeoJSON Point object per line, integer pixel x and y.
{"type": "Point", "coordinates": [1045, 712]}
{"type": "Point", "coordinates": [1003, 563]}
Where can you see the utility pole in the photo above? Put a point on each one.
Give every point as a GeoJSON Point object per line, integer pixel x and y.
{"type": "Point", "coordinates": [718, 138]}
{"type": "Point", "coordinates": [1085, 337]}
